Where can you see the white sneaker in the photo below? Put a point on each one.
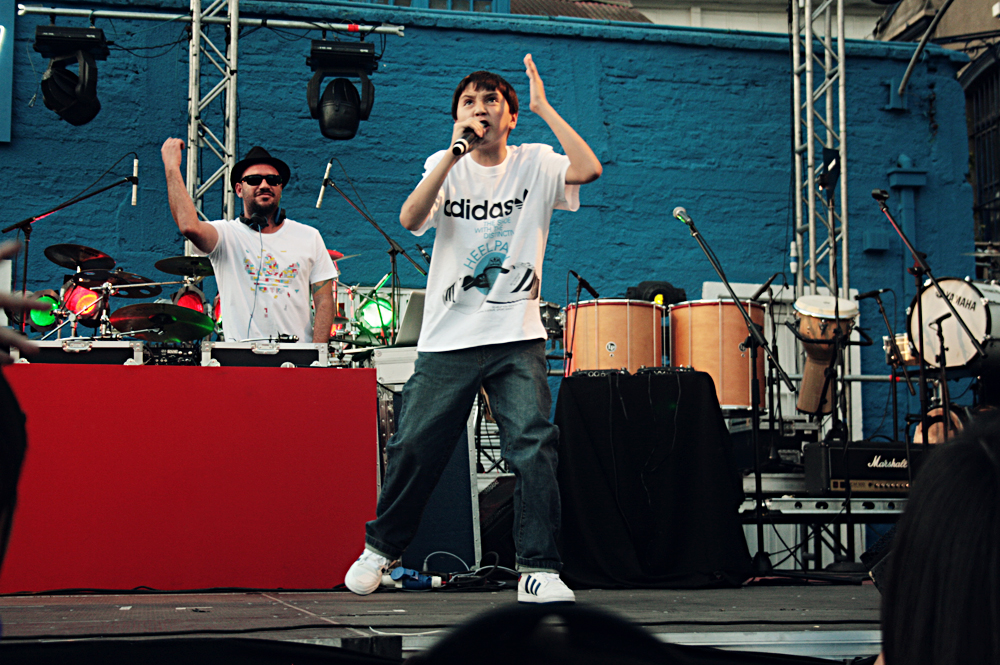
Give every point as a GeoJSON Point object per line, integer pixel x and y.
{"type": "Point", "coordinates": [543, 588]}
{"type": "Point", "coordinates": [365, 574]}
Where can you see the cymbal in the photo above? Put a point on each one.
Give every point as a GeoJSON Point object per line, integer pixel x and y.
{"type": "Point", "coordinates": [339, 256]}
{"type": "Point", "coordinates": [134, 285]}
{"type": "Point", "coordinates": [161, 322]}
{"type": "Point", "coordinates": [187, 266]}
{"type": "Point", "coordinates": [78, 256]}
{"type": "Point", "coordinates": [986, 254]}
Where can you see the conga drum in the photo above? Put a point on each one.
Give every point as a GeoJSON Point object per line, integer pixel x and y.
{"type": "Point", "coordinates": [707, 335]}
{"type": "Point", "coordinates": [819, 321]}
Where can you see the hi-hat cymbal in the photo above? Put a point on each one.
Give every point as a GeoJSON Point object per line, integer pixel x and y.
{"type": "Point", "coordinates": [129, 284]}
{"type": "Point", "coordinates": [161, 322]}
{"type": "Point", "coordinates": [78, 256]}
{"type": "Point", "coordinates": [187, 266]}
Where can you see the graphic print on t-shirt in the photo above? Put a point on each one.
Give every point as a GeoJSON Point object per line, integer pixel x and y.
{"type": "Point", "coordinates": [271, 278]}
{"type": "Point", "coordinates": [491, 279]}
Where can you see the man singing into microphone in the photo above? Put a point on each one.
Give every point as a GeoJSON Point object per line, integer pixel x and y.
{"type": "Point", "coordinates": [482, 325]}
{"type": "Point", "coordinates": [265, 266]}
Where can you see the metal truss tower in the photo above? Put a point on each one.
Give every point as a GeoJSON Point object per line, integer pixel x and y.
{"type": "Point", "coordinates": [819, 96]}
{"type": "Point", "coordinates": [201, 140]}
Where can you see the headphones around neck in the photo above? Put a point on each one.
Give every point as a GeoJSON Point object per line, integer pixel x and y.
{"type": "Point", "coordinates": [259, 222]}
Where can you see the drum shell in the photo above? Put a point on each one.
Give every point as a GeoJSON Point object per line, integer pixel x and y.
{"type": "Point", "coordinates": [552, 316]}
{"type": "Point", "coordinates": [979, 305]}
{"type": "Point", "coordinates": [612, 334]}
{"type": "Point", "coordinates": [706, 335]}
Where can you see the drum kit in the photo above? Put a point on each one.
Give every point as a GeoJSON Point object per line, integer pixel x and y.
{"type": "Point", "coordinates": [85, 298]}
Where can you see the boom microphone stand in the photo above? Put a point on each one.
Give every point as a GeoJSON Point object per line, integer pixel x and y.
{"type": "Point", "coordinates": [394, 250]}
{"type": "Point", "coordinates": [25, 226]}
{"type": "Point", "coordinates": [921, 268]}
{"type": "Point", "coordinates": [761, 562]}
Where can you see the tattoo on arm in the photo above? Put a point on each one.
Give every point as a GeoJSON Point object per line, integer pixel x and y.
{"type": "Point", "coordinates": [313, 288]}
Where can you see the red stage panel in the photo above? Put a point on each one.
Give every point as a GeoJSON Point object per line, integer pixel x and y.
{"type": "Point", "coordinates": [191, 477]}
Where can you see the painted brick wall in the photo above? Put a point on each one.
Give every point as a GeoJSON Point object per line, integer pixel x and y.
{"type": "Point", "coordinates": [689, 117]}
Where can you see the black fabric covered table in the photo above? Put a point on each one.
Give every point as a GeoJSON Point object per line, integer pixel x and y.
{"type": "Point", "coordinates": [650, 493]}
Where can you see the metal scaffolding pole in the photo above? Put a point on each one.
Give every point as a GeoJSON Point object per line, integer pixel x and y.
{"type": "Point", "coordinates": [819, 94]}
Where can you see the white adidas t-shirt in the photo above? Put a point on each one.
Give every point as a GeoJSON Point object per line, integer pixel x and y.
{"type": "Point", "coordinates": [492, 225]}
{"type": "Point", "coordinates": [264, 279]}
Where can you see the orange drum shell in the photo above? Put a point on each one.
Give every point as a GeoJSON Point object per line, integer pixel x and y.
{"type": "Point", "coordinates": [612, 334]}
{"type": "Point", "coordinates": [706, 335]}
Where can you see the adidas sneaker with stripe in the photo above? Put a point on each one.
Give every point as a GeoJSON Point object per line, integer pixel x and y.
{"type": "Point", "coordinates": [543, 588]}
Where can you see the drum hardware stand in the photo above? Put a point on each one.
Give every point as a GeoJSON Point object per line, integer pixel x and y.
{"type": "Point", "coordinates": [942, 365]}
{"type": "Point", "coordinates": [761, 561]}
{"type": "Point", "coordinates": [25, 225]}
{"type": "Point", "coordinates": [919, 269]}
{"type": "Point", "coordinates": [394, 250]}
{"type": "Point", "coordinates": [897, 359]}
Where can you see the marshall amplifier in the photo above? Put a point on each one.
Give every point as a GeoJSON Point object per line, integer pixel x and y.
{"type": "Point", "coordinates": [874, 467]}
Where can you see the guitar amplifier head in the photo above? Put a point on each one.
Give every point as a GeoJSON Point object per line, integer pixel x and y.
{"type": "Point", "coordinates": [873, 467]}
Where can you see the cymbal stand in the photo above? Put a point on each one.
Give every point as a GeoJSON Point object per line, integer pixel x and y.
{"type": "Point", "coordinates": [919, 269]}
{"type": "Point", "coordinates": [25, 225]}
{"type": "Point", "coordinates": [395, 249]}
{"type": "Point", "coordinates": [942, 360]}
{"type": "Point", "coordinates": [755, 339]}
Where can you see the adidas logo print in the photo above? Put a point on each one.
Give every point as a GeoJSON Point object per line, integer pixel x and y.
{"type": "Point", "coordinates": [531, 585]}
{"type": "Point", "coordinates": [464, 209]}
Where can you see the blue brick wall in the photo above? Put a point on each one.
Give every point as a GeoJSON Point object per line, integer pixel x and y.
{"type": "Point", "coordinates": [698, 118]}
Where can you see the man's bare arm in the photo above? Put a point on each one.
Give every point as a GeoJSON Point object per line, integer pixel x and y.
{"type": "Point", "coordinates": [584, 166]}
{"type": "Point", "coordinates": [322, 295]}
{"type": "Point", "coordinates": [204, 236]}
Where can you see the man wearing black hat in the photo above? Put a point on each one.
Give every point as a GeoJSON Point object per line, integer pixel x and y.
{"type": "Point", "coordinates": [265, 264]}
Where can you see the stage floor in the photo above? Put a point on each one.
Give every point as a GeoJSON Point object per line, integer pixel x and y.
{"type": "Point", "coordinates": [818, 620]}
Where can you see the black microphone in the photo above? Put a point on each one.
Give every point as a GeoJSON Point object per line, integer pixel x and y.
{"type": "Point", "coordinates": [322, 188]}
{"type": "Point", "coordinates": [938, 320]}
{"type": "Point", "coordinates": [135, 179]}
{"type": "Point", "coordinates": [468, 139]}
{"type": "Point", "coordinates": [584, 284]}
{"type": "Point", "coordinates": [427, 257]}
{"type": "Point", "coordinates": [870, 294]}
{"type": "Point", "coordinates": [763, 288]}
{"type": "Point", "coordinates": [880, 194]}
{"type": "Point", "coordinates": [682, 214]}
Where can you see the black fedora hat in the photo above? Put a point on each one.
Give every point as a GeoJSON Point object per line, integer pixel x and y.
{"type": "Point", "coordinates": [258, 155]}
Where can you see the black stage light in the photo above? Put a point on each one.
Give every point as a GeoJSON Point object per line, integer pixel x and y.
{"type": "Point", "coordinates": [72, 96]}
{"type": "Point", "coordinates": [340, 109]}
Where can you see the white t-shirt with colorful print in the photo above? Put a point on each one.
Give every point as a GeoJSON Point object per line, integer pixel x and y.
{"type": "Point", "coordinates": [492, 226]}
{"type": "Point", "coordinates": [264, 279]}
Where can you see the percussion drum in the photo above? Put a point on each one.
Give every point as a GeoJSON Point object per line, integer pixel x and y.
{"type": "Point", "coordinates": [612, 334]}
{"type": "Point", "coordinates": [707, 335]}
{"type": "Point", "coordinates": [818, 320]}
{"type": "Point", "coordinates": [979, 305]}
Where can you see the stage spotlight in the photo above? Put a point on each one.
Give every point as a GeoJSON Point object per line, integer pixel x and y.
{"type": "Point", "coordinates": [341, 108]}
{"type": "Point", "coordinates": [72, 96]}
{"type": "Point", "coordinates": [40, 320]}
{"type": "Point", "coordinates": [191, 297]}
{"type": "Point", "coordinates": [375, 319]}
{"type": "Point", "coordinates": [83, 302]}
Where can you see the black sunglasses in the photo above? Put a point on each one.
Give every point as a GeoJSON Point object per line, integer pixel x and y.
{"type": "Point", "coordinates": [256, 179]}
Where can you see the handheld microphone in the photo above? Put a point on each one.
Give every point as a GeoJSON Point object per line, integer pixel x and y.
{"type": "Point", "coordinates": [427, 257]}
{"type": "Point", "coordinates": [322, 188]}
{"type": "Point", "coordinates": [682, 214]}
{"type": "Point", "coordinates": [135, 179]}
{"type": "Point", "coordinates": [870, 294]}
{"type": "Point", "coordinates": [585, 284]}
{"type": "Point", "coordinates": [763, 288]}
{"type": "Point", "coordinates": [468, 139]}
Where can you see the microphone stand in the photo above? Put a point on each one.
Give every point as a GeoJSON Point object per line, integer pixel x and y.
{"type": "Point", "coordinates": [25, 226]}
{"type": "Point", "coordinates": [921, 268]}
{"type": "Point", "coordinates": [897, 359]}
{"type": "Point", "coordinates": [761, 562]}
{"type": "Point", "coordinates": [394, 249]}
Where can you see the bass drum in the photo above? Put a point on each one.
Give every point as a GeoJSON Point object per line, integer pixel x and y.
{"type": "Point", "coordinates": [979, 305]}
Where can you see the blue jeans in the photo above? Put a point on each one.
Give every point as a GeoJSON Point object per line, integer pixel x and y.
{"type": "Point", "coordinates": [437, 400]}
